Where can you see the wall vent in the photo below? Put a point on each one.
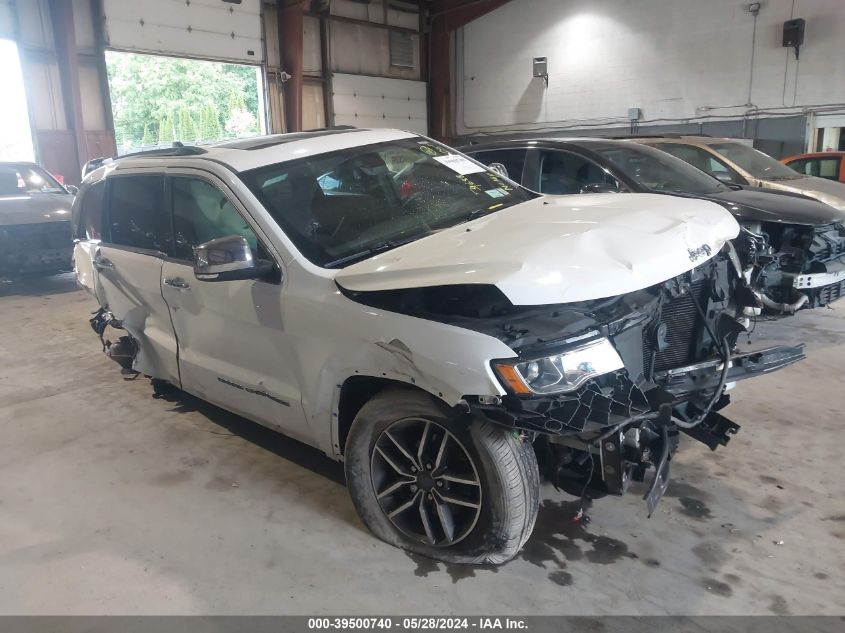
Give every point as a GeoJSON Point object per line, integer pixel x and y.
{"type": "Point", "coordinates": [402, 49]}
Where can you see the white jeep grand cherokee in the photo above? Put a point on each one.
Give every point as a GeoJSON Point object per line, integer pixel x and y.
{"type": "Point", "coordinates": [377, 295]}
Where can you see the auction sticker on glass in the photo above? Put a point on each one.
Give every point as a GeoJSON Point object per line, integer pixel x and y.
{"type": "Point", "coordinates": [459, 164]}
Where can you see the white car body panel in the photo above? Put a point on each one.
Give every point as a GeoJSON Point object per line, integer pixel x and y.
{"type": "Point", "coordinates": [83, 257]}
{"type": "Point", "coordinates": [132, 291]}
{"type": "Point", "coordinates": [542, 251]}
{"type": "Point", "coordinates": [271, 152]}
{"type": "Point", "coordinates": [300, 341]}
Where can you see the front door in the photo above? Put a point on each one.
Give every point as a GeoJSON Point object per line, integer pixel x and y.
{"type": "Point", "coordinates": [127, 264]}
{"type": "Point", "coordinates": [233, 350]}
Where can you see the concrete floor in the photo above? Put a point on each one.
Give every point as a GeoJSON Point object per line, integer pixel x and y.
{"type": "Point", "coordinates": [113, 502]}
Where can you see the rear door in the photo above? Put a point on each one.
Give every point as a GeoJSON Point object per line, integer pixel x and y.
{"type": "Point", "coordinates": [88, 211]}
{"type": "Point", "coordinates": [128, 260]}
{"type": "Point", "coordinates": [233, 348]}
{"type": "Point", "coordinates": [561, 172]}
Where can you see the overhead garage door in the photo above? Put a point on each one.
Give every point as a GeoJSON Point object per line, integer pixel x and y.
{"type": "Point", "coordinates": [209, 29]}
{"type": "Point", "coordinates": [379, 102]}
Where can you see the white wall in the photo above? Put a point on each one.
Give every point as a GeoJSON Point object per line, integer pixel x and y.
{"type": "Point", "coordinates": [675, 59]}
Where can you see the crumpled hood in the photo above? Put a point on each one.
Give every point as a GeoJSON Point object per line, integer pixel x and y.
{"type": "Point", "coordinates": [558, 249]}
{"type": "Point", "coordinates": [771, 205]}
{"type": "Point", "coordinates": [828, 191]}
{"type": "Point", "coordinates": [37, 208]}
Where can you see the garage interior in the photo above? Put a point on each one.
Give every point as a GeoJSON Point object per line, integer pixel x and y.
{"type": "Point", "coordinates": [118, 501]}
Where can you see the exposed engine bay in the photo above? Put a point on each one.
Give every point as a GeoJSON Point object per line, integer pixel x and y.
{"type": "Point", "coordinates": [794, 266]}
{"type": "Point", "coordinates": [677, 341]}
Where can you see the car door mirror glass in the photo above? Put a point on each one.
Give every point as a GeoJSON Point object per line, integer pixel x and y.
{"type": "Point", "coordinates": [225, 259]}
{"type": "Point", "coordinates": [724, 177]}
{"type": "Point", "coordinates": [72, 189]}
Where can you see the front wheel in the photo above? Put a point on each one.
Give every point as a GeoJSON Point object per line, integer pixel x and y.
{"type": "Point", "coordinates": [461, 491]}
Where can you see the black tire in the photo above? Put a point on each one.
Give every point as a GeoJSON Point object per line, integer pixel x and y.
{"type": "Point", "coordinates": [506, 469]}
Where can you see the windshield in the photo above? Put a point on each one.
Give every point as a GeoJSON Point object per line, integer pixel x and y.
{"type": "Point", "coordinates": [345, 205]}
{"type": "Point", "coordinates": [16, 180]}
{"type": "Point", "coordinates": [755, 162]}
{"type": "Point", "coordinates": [658, 171]}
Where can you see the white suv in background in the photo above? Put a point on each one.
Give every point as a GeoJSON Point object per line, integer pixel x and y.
{"type": "Point", "coordinates": [395, 304]}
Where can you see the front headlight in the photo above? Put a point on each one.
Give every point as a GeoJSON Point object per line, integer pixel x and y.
{"type": "Point", "coordinates": [562, 372]}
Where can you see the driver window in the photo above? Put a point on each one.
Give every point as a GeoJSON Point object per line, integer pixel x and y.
{"type": "Point", "coordinates": [564, 173]}
{"type": "Point", "coordinates": [201, 212]}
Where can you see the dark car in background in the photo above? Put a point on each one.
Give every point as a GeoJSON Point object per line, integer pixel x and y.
{"type": "Point", "coordinates": [792, 247]}
{"type": "Point", "coordinates": [35, 227]}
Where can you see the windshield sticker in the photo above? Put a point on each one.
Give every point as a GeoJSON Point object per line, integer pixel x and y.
{"type": "Point", "coordinates": [495, 193]}
{"type": "Point", "coordinates": [460, 164]}
{"type": "Point", "coordinates": [432, 151]}
{"type": "Point", "coordinates": [472, 186]}
{"type": "Point", "coordinates": [502, 185]}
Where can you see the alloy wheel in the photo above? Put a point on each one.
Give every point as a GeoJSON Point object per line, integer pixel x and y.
{"type": "Point", "coordinates": [426, 482]}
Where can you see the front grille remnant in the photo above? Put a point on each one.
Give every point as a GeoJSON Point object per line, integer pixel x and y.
{"type": "Point", "coordinates": [678, 317]}
{"type": "Point", "coordinates": [604, 400]}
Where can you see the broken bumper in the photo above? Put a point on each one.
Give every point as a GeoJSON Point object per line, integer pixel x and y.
{"type": "Point", "coordinates": [683, 382]}
{"type": "Point", "coordinates": [613, 399]}
{"type": "Point", "coordinates": [822, 288]}
{"type": "Point", "coordinates": [35, 247]}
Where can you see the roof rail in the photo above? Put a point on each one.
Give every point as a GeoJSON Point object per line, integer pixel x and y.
{"type": "Point", "coordinates": [333, 127]}
{"type": "Point", "coordinates": [177, 150]}
{"type": "Point", "coordinates": [647, 135]}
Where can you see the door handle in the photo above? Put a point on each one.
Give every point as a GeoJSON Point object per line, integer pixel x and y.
{"type": "Point", "coordinates": [101, 262]}
{"type": "Point", "coordinates": [176, 282]}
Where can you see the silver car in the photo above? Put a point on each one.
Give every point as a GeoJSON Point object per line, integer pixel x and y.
{"type": "Point", "coordinates": [735, 162]}
{"type": "Point", "coordinates": [35, 232]}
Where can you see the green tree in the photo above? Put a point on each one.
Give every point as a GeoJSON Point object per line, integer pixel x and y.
{"type": "Point", "coordinates": [148, 138]}
{"type": "Point", "coordinates": [209, 123]}
{"type": "Point", "coordinates": [186, 129]}
{"type": "Point", "coordinates": [165, 129]}
{"type": "Point", "coordinates": [146, 89]}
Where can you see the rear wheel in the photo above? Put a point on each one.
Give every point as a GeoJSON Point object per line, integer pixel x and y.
{"type": "Point", "coordinates": [452, 489]}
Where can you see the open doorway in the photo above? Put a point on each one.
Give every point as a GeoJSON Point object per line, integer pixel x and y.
{"type": "Point", "coordinates": [157, 100]}
{"type": "Point", "coordinates": [15, 132]}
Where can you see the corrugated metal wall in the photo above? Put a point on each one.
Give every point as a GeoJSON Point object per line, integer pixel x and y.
{"type": "Point", "coordinates": [58, 135]}
{"type": "Point", "coordinates": [371, 84]}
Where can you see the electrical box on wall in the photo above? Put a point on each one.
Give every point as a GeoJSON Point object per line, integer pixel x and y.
{"type": "Point", "coordinates": [541, 69]}
{"type": "Point", "coordinates": [793, 32]}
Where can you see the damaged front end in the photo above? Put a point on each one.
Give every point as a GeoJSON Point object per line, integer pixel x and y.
{"type": "Point", "coordinates": [604, 387]}
{"type": "Point", "coordinates": [795, 266]}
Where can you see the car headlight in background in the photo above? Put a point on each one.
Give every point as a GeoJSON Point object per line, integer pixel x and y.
{"type": "Point", "coordinates": [562, 372]}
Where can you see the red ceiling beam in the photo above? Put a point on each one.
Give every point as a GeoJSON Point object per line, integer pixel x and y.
{"type": "Point", "coordinates": [447, 16]}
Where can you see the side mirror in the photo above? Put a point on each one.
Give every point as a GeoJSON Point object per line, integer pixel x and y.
{"type": "Point", "coordinates": [599, 187]}
{"type": "Point", "coordinates": [224, 259]}
{"type": "Point", "coordinates": [72, 189]}
{"type": "Point", "coordinates": [724, 176]}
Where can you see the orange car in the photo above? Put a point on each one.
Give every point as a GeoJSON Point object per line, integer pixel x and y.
{"type": "Point", "coordinates": [830, 165]}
